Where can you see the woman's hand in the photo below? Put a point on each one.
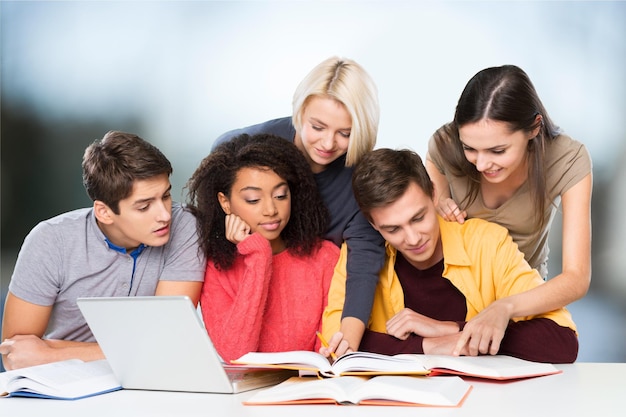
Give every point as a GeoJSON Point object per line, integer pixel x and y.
{"type": "Point", "coordinates": [446, 207]}
{"type": "Point", "coordinates": [337, 346]}
{"type": "Point", "coordinates": [450, 211]}
{"type": "Point", "coordinates": [236, 229]}
{"type": "Point", "coordinates": [484, 332]}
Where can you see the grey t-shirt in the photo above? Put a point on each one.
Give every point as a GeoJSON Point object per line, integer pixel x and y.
{"type": "Point", "coordinates": [67, 257]}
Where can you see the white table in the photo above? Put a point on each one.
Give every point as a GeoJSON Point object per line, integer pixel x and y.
{"type": "Point", "coordinates": [583, 389]}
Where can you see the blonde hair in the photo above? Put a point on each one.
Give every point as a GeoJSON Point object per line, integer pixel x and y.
{"type": "Point", "coordinates": [345, 81]}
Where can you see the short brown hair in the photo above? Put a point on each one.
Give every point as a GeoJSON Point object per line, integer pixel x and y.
{"type": "Point", "coordinates": [384, 175]}
{"type": "Point", "coordinates": [111, 166]}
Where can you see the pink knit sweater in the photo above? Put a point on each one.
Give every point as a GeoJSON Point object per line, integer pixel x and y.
{"type": "Point", "coordinates": [267, 303]}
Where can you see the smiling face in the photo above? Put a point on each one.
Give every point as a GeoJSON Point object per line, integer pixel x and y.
{"type": "Point", "coordinates": [144, 217]}
{"type": "Point", "coordinates": [325, 132]}
{"type": "Point", "coordinates": [498, 154]}
{"type": "Point", "coordinates": [410, 225]}
{"type": "Point", "coordinates": [261, 199]}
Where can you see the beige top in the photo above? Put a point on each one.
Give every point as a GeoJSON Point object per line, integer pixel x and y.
{"type": "Point", "coordinates": [567, 163]}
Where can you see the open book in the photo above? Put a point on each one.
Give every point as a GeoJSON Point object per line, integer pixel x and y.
{"type": "Point", "coordinates": [65, 380]}
{"type": "Point", "coordinates": [364, 363]}
{"type": "Point", "coordinates": [354, 363]}
{"type": "Point", "coordinates": [447, 391]}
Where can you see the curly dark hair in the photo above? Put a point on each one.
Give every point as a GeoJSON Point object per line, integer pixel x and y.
{"type": "Point", "coordinates": [217, 173]}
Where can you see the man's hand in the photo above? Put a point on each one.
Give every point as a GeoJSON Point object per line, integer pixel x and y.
{"type": "Point", "coordinates": [24, 350]}
{"type": "Point", "coordinates": [21, 351]}
{"type": "Point", "coordinates": [408, 321]}
{"type": "Point", "coordinates": [442, 345]}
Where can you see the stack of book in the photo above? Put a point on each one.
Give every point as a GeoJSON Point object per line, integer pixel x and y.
{"type": "Point", "coordinates": [373, 379]}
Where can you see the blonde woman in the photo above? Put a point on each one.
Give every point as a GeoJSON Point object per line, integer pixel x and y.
{"type": "Point", "coordinates": [334, 124]}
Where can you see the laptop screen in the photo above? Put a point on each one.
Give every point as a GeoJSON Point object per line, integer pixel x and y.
{"type": "Point", "coordinates": [160, 343]}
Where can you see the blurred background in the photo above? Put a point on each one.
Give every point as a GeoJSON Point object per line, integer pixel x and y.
{"type": "Point", "coordinates": [181, 73]}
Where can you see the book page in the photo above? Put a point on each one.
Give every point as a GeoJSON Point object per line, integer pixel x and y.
{"type": "Point", "coordinates": [444, 391]}
{"type": "Point", "coordinates": [396, 390]}
{"type": "Point", "coordinates": [297, 359]}
{"type": "Point", "coordinates": [353, 363]}
{"type": "Point", "coordinates": [66, 379]}
{"type": "Point", "coordinates": [487, 366]}
{"type": "Point", "coordinates": [374, 363]}
{"type": "Point", "coordinates": [308, 388]}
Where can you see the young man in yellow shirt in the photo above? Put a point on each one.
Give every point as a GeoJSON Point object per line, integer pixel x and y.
{"type": "Point", "coordinates": [415, 309]}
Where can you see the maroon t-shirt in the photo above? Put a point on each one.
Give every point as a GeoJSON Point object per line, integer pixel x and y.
{"type": "Point", "coordinates": [428, 293]}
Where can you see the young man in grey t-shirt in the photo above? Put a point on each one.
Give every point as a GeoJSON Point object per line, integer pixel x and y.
{"type": "Point", "coordinates": [133, 242]}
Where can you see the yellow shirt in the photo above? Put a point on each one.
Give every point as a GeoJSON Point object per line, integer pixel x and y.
{"type": "Point", "coordinates": [480, 259]}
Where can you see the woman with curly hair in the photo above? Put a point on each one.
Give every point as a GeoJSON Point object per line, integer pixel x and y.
{"type": "Point", "coordinates": [261, 222]}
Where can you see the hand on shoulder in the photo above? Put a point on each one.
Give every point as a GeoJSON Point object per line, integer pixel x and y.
{"type": "Point", "coordinates": [450, 211]}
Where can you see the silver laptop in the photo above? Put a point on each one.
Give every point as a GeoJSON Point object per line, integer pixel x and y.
{"type": "Point", "coordinates": [160, 343]}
